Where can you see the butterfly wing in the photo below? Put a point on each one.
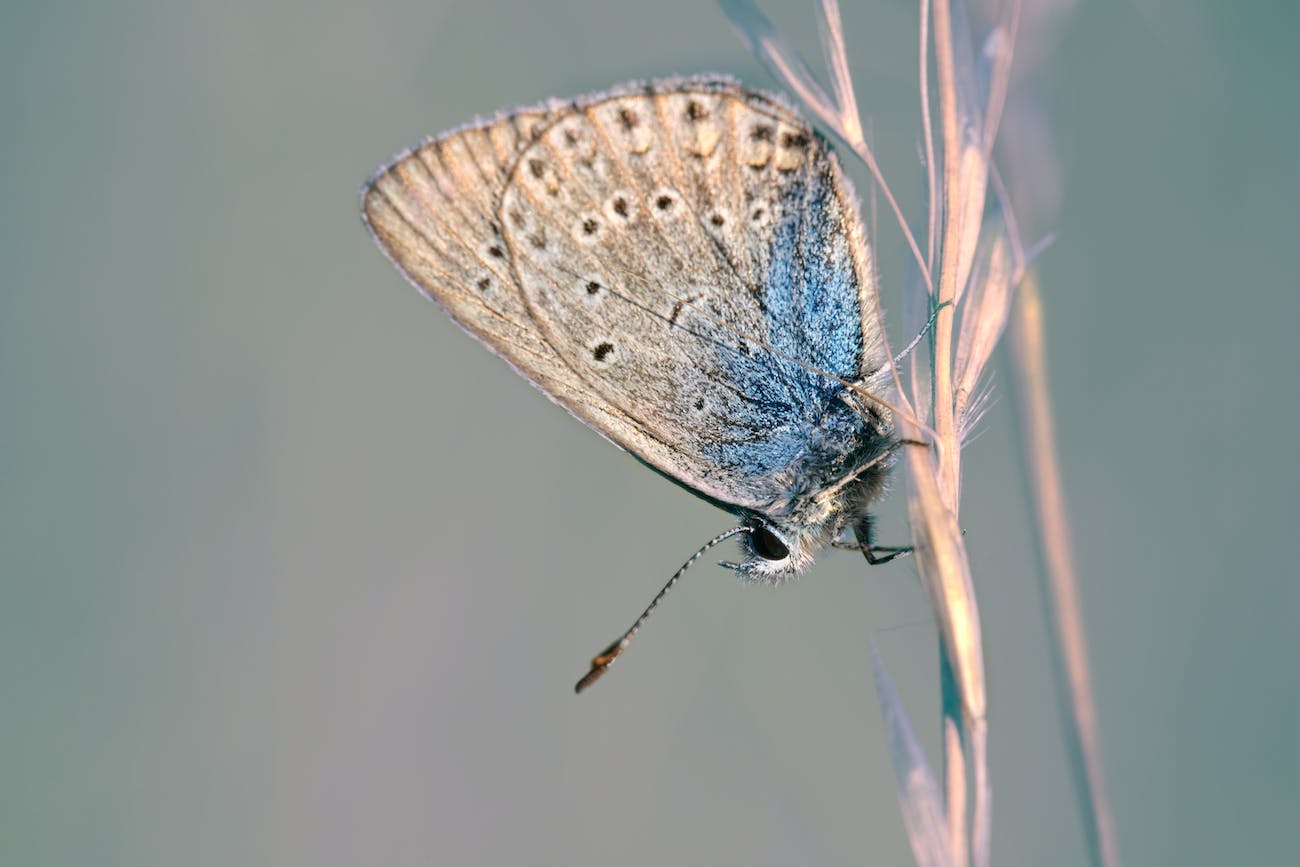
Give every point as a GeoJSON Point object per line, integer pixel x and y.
{"type": "Point", "coordinates": [679, 265]}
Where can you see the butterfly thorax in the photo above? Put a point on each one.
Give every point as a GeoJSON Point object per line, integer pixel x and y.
{"type": "Point", "coordinates": [827, 489]}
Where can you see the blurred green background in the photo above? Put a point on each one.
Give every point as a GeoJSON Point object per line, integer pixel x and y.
{"type": "Point", "coordinates": [292, 572]}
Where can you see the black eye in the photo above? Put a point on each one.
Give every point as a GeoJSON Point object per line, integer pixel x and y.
{"type": "Point", "coordinates": [767, 545]}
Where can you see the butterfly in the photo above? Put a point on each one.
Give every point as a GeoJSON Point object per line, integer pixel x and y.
{"type": "Point", "coordinates": [680, 264]}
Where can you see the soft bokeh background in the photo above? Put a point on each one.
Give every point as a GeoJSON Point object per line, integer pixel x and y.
{"type": "Point", "coordinates": [292, 572]}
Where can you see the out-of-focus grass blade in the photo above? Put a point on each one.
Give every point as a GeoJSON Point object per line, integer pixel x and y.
{"type": "Point", "coordinates": [918, 791]}
{"type": "Point", "coordinates": [779, 56]}
{"type": "Point", "coordinates": [837, 112]}
{"type": "Point", "coordinates": [837, 60]}
{"type": "Point", "coordinates": [1028, 358]}
{"type": "Point", "coordinates": [970, 106]}
{"type": "Point", "coordinates": [982, 814]}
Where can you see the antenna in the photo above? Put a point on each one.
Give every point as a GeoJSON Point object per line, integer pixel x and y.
{"type": "Point", "coordinates": [603, 660]}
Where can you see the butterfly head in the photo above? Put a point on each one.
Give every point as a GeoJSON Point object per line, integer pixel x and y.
{"type": "Point", "coordinates": [774, 552]}
{"type": "Point", "coordinates": [783, 544]}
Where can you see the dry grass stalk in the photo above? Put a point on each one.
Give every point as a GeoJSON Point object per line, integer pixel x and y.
{"type": "Point", "coordinates": [980, 264]}
{"type": "Point", "coordinates": [969, 293]}
{"type": "Point", "coordinates": [931, 414]}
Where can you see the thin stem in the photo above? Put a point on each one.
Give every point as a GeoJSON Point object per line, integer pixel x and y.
{"type": "Point", "coordinates": [927, 136]}
{"type": "Point", "coordinates": [837, 59]}
{"type": "Point", "coordinates": [864, 153]}
{"type": "Point", "coordinates": [1000, 80]}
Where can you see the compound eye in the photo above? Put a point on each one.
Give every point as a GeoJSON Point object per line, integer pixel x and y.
{"type": "Point", "coordinates": [767, 545]}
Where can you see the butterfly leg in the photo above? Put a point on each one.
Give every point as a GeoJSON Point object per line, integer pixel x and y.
{"type": "Point", "coordinates": [876, 554]}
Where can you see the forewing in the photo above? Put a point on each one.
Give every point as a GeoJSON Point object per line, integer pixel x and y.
{"type": "Point", "coordinates": [692, 252]}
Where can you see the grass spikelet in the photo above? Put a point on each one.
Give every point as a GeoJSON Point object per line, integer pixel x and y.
{"type": "Point", "coordinates": [966, 284]}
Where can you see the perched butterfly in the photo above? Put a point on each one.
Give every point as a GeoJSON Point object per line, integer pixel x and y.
{"type": "Point", "coordinates": [681, 265]}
